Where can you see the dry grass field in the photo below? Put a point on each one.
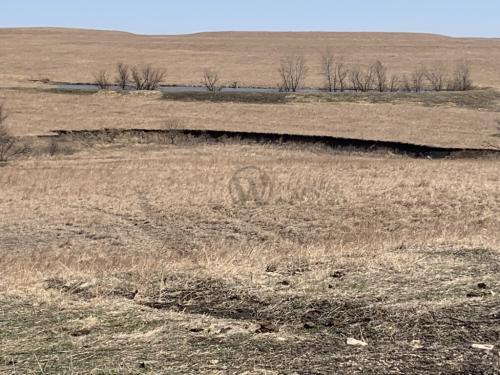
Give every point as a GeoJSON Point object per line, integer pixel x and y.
{"type": "Point", "coordinates": [129, 258]}
{"type": "Point", "coordinates": [249, 58]}
{"type": "Point", "coordinates": [136, 258]}
{"type": "Point", "coordinates": [455, 122]}
{"type": "Point", "coordinates": [159, 254]}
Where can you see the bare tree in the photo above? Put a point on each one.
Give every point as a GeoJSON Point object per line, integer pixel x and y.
{"type": "Point", "coordinates": [147, 77]}
{"type": "Point", "coordinates": [9, 147]}
{"type": "Point", "coordinates": [406, 84]}
{"type": "Point", "coordinates": [122, 75]}
{"type": "Point", "coordinates": [328, 70]}
{"type": "Point", "coordinates": [342, 73]}
{"type": "Point", "coordinates": [437, 77]}
{"type": "Point", "coordinates": [461, 77]}
{"type": "Point", "coordinates": [394, 83]}
{"type": "Point", "coordinates": [210, 80]}
{"type": "Point", "coordinates": [355, 77]}
{"type": "Point", "coordinates": [101, 80]}
{"type": "Point", "coordinates": [362, 79]}
{"type": "Point", "coordinates": [418, 78]}
{"type": "Point", "coordinates": [293, 71]}
{"type": "Point", "coordinates": [380, 74]}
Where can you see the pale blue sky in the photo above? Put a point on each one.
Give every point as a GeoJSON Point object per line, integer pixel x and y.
{"type": "Point", "coordinates": [449, 17]}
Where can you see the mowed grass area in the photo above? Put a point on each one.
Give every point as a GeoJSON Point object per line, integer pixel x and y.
{"type": "Point", "coordinates": [466, 119]}
{"type": "Point", "coordinates": [251, 59]}
{"type": "Point", "coordinates": [136, 258]}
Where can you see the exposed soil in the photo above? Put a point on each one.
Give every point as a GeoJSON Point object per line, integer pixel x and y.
{"type": "Point", "coordinates": [337, 143]}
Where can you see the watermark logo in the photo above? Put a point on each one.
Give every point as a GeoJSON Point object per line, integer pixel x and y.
{"type": "Point", "coordinates": [250, 185]}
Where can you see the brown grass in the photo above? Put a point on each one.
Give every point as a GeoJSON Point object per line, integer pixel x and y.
{"type": "Point", "coordinates": [130, 258]}
{"type": "Point", "coordinates": [103, 201]}
{"type": "Point", "coordinates": [248, 58]}
{"type": "Point", "coordinates": [35, 112]}
{"type": "Point", "coordinates": [384, 249]}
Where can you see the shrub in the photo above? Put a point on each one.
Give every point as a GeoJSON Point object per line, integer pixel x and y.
{"type": "Point", "coordinates": [147, 77]}
{"type": "Point", "coordinates": [362, 79]}
{"type": "Point", "coordinates": [210, 80]}
{"type": "Point", "coordinates": [418, 78]}
{"type": "Point", "coordinates": [293, 71]}
{"type": "Point", "coordinates": [9, 146]}
{"type": "Point", "coordinates": [461, 80]}
{"type": "Point", "coordinates": [122, 75]}
{"type": "Point", "coordinates": [394, 83]}
{"type": "Point", "coordinates": [329, 71]}
{"type": "Point", "coordinates": [437, 77]}
{"type": "Point", "coordinates": [342, 73]}
{"type": "Point", "coordinates": [101, 80]}
{"type": "Point", "coordinates": [380, 75]}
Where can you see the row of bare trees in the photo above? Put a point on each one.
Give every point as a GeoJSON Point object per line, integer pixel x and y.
{"type": "Point", "coordinates": [141, 78]}
{"type": "Point", "coordinates": [147, 78]}
{"type": "Point", "coordinates": [339, 76]}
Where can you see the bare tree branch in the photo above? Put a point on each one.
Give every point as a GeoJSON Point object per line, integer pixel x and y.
{"type": "Point", "coordinates": [342, 73]}
{"type": "Point", "coordinates": [461, 80]}
{"type": "Point", "coordinates": [210, 80]}
{"type": "Point", "coordinates": [418, 78]}
{"type": "Point", "coordinates": [394, 83]}
{"type": "Point", "coordinates": [380, 74]}
{"type": "Point", "coordinates": [123, 75]}
{"type": "Point", "coordinates": [329, 71]}
{"type": "Point", "coordinates": [355, 77]}
{"type": "Point", "coordinates": [147, 77]}
{"type": "Point", "coordinates": [293, 71]}
{"type": "Point", "coordinates": [437, 77]}
{"type": "Point", "coordinates": [101, 80]}
{"type": "Point", "coordinates": [362, 79]}
{"type": "Point", "coordinates": [406, 84]}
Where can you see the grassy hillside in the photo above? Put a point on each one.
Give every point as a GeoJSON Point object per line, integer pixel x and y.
{"type": "Point", "coordinates": [251, 58]}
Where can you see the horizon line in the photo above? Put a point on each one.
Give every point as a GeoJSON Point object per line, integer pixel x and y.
{"type": "Point", "coordinates": [76, 28]}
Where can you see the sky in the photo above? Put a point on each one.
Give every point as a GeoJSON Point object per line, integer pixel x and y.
{"type": "Point", "coordinates": [448, 17]}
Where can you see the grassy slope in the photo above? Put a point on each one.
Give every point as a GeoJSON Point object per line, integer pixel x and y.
{"type": "Point", "coordinates": [137, 260]}
{"type": "Point", "coordinates": [249, 58]}
{"type": "Point", "coordinates": [465, 119]}
{"type": "Point", "coordinates": [129, 258]}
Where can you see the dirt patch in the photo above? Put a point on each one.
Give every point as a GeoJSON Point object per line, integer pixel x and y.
{"type": "Point", "coordinates": [399, 341]}
{"type": "Point", "coordinates": [216, 298]}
